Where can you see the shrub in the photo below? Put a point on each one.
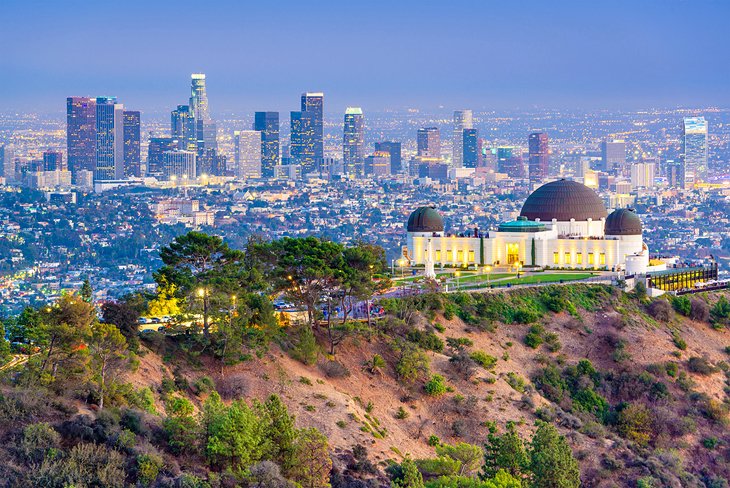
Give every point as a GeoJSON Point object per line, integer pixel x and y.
{"type": "Point", "coordinates": [516, 381]}
{"type": "Point", "coordinates": [376, 364]}
{"type": "Point", "coordinates": [39, 440]}
{"type": "Point", "coordinates": [401, 414]}
{"type": "Point", "coordinates": [534, 336]}
{"type": "Point", "coordinates": [148, 468]}
{"type": "Point", "coordinates": [700, 365]}
{"type": "Point", "coordinates": [483, 359]}
{"type": "Point", "coordinates": [681, 305]}
{"type": "Point", "coordinates": [710, 442]}
{"type": "Point", "coordinates": [524, 316]}
{"type": "Point", "coordinates": [720, 312]}
{"type": "Point", "coordinates": [553, 342]}
{"type": "Point", "coordinates": [436, 386]}
{"type": "Point", "coordinates": [672, 369]}
{"type": "Point", "coordinates": [433, 440]}
{"type": "Point", "coordinates": [458, 343]}
{"type": "Point", "coordinates": [306, 349]}
{"type": "Point", "coordinates": [678, 341]}
{"type": "Point", "coordinates": [85, 465]}
{"type": "Point", "coordinates": [204, 384]}
{"type": "Point", "coordinates": [699, 310]}
{"type": "Point", "coordinates": [463, 364]}
{"type": "Point", "coordinates": [413, 364]}
{"type": "Point", "coordinates": [427, 340]}
{"type": "Point", "coordinates": [635, 423]}
{"type": "Point", "coordinates": [661, 310]}
{"type": "Point", "coordinates": [440, 466]}
{"type": "Point", "coordinates": [334, 369]}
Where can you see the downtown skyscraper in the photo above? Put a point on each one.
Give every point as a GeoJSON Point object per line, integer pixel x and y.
{"type": "Point", "coordinates": [353, 142]}
{"type": "Point", "coordinates": [428, 142]}
{"type": "Point", "coordinates": [109, 139]}
{"type": "Point", "coordinates": [307, 132]}
{"type": "Point", "coordinates": [268, 124]}
{"type": "Point", "coordinates": [132, 159]}
{"type": "Point", "coordinates": [694, 151]}
{"type": "Point", "coordinates": [539, 158]}
{"type": "Point", "coordinates": [81, 134]}
{"type": "Point", "coordinates": [463, 119]}
{"type": "Point", "coordinates": [470, 148]}
{"type": "Point", "coordinates": [205, 128]}
{"type": "Point", "coordinates": [183, 128]}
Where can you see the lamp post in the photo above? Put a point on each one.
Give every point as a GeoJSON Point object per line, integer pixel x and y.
{"type": "Point", "coordinates": [518, 265]}
{"type": "Point", "coordinates": [457, 273]}
{"type": "Point", "coordinates": [488, 270]}
{"type": "Point", "coordinates": [401, 264]}
{"type": "Point", "coordinates": [203, 294]}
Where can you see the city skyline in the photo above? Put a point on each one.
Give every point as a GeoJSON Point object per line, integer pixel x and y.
{"type": "Point", "coordinates": [571, 45]}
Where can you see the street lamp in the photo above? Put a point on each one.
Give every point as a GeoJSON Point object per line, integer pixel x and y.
{"type": "Point", "coordinates": [457, 273]}
{"type": "Point", "coordinates": [488, 270]}
{"type": "Point", "coordinates": [518, 265]}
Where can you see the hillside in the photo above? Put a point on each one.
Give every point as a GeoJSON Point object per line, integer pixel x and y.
{"type": "Point", "coordinates": [653, 408]}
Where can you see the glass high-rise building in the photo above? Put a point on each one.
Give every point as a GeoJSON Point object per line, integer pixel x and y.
{"type": "Point", "coordinates": [429, 143]}
{"type": "Point", "coordinates": [157, 147]}
{"type": "Point", "coordinates": [394, 150]}
{"type": "Point", "coordinates": [470, 148]}
{"type": "Point", "coordinates": [613, 155]}
{"type": "Point", "coordinates": [53, 161]}
{"type": "Point", "coordinates": [132, 159]}
{"type": "Point", "coordinates": [539, 158]}
{"type": "Point", "coordinates": [204, 126]}
{"type": "Point", "coordinates": [694, 151]}
{"type": "Point", "coordinates": [312, 130]}
{"type": "Point", "coordinates": [247, 147]}
{"type": "Point", "coordinates": [295, 138]}
{"type": "Point", "coordinates": [463, 119]}
{"type": "Point", "coordinates": [81, 134]}
{"type": "Point", "coordinates": [509, 161]}
{"type": "Point", "coordinates": [7, 163]}
{"type": "Point", "coordinates": [353, 142]}
{"type": "Point", "coordinates": [109, 139]}
{"type": "Point", "coordinates": [182, 125]}
{"type": "Point", "coordinates": [268, 124]}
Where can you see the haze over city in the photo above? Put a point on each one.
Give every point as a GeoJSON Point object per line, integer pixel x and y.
{"type": "Point", "coordinates": [379, 55]}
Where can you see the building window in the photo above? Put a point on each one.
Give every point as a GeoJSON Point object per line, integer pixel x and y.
{"type": "Point", "coordinates": [591, 258]}
{"type": "Point", "coordinates": [556, 258]}
{"type": "Point", "coordinates": [438, 256]}
{"type": "Point", "coordinates": [471, 256]}
{"type": "Point", "coordinates": [459, 256]}
{"type": "Point", "coordinates": [513, 253]}
{"type": "Point", "coordinates": [449, 256]}
{"type": "Point", "coordinates": [602, 259]}
{"type": "Point", "coordinates": [567, 258]}
{"type": "Point", "coordinates": [579, 258]}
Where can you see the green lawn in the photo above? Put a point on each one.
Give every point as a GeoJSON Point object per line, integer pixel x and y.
{"type": "Point", "coordinates": [532, 279]}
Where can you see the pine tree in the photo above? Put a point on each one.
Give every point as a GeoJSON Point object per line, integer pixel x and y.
{"type": "Point", "coordinates": [312, 462]}
{"type": "Point", "coordinates": [551, 460]}
{"type": "Point", "coordinates": [411, 476]}
{"type": "Point", "coordinates": [86, 292]}
{"type": "Point", "coordinates": [505, 452]}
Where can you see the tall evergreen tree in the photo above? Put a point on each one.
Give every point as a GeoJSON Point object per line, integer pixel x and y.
{"type": "Point", "coordinates": [551, 460]}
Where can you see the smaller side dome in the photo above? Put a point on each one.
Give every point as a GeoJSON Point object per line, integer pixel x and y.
{"type": "Point", "coordinates": [425, 219]}
{"type": "Point", "coordinates": [623, 222]}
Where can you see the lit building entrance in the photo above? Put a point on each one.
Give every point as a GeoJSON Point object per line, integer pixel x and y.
{"type": "Point", "coordinates": [513, 253]}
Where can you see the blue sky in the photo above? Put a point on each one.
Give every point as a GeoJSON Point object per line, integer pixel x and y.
{"type": "Point", "coordinates": [481, 54]}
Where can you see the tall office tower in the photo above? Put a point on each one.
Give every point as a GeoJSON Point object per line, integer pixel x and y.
{"type": "Point", "coordinates": [470, 148]}
{"type": "Point", "coordinates": [209, 162]}
{"type": "Point", "coordinates": [613, 155]}
{"type": "Point", "coordinates": [205, 128]}
{"type": "Point", "coordinates": [178, 165]}
{"type": "Point", "coordinates": [462, 120]}
{"type": "Point", "coordinates": [312, 130]}
{"type": "Point", "coordinates": [247, 148]}
{"type": "Point", "coordinates": [673, 173]}
{"type": "Point", "coordinates": [394, 150]}
{"type": "Point", "coordinates": [539, 159]}
{"type": "Point", "coordinates": [268, 124]}
{"type": "Point", "coordinates": [429, 143]}
{"type": "Point", "coordinates": [353, 142]}
{"type": "Point", "coordinates": [509, 161]}
{"type": "Point", "coordinates": [53, 161]}
{"type": "Point", "coordinates": [132, 159]}
{"type": "Point", "coordinates": [694, 151]}
{"type": "Point", "coordinates": [7, 163]}
{"type": "Point", "coordinates": [642, 175]}
{"type": "Point", "coordinates": [182, 125]}
{"type": "Point", "coordinates": [109, 139]}
{"type": "Point", "coordinates": [295, 138]}
{"type": "Point", "coordinates": [81, 134]}
{"type": "Point", "coordinates": [158, 146]}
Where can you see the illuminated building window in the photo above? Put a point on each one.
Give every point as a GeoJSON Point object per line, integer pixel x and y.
{"type": "Point", "coordinates": [513, 253]}
{"type": "Point", "coordinates": [591, 258]}
{"type": "Point", "coordinates": [459, 255]}
{"type": "Point", "coordinates": [567, 258]}
{"type": "Point", "coordinates": [556, 258]}
{"type": "Point", "coordinates": [471, 256]}
{"type": "Point", "coordinates": [602, 259]}
{"type": "Point", "coordinates": [579, 258]}
{"type": "Point", "coordinates": [449, 256]}
{"type": "Point", "coordinates": [438, 256]}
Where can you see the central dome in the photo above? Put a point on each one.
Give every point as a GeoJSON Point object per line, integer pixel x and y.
{"type": "Point", "coordinates": [563, 200]}
{"type": "Point", "coordinates": [623, 222]}
{"type": "Point", "coordinates": [425, 219]}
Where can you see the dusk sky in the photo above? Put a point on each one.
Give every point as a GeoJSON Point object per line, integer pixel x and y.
{"type": "Point", "coordinates": [480, 54]}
